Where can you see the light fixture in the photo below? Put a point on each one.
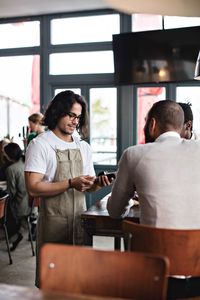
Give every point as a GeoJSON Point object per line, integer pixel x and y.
{"type": "Point", "coordinates": [197, 68]}
{"type": "Point", "coordinates": [183, 8]}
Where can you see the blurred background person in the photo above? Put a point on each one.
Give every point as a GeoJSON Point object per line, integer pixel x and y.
{"type": "Point", "coordinates": [2, 161]}
{"type": "Point", "coordinates": [36, 127]}
{"type": "Point", "coordinates": [18, 207]}
{"type": "Point", "coordinates": [188, 120]}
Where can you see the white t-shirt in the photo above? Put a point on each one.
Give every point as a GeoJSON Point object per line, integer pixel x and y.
{"type": "Point", "coordinates": [41, 155]}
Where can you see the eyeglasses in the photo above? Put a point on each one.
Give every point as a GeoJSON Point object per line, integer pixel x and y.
{"type": "Point", "coordinates": [73, 116]}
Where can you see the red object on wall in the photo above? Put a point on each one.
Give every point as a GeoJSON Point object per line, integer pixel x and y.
{"type": "Point", "coordinates": [35, 92]}
{"type": "Point", "coordinates": [147, 96]}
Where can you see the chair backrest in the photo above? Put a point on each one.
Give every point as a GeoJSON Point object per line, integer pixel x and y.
{"type": "Point", "coordinates": [182, 247]}
{"type": "Point", "coordinates": [82, 270]}
{"type": "Point", "coordinates": [3, 204]}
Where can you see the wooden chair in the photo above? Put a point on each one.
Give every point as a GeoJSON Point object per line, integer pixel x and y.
{"type": "Point", "coordinates": [82, 270]}
{"type": "Point", "coordinates": [3, 214]}
{"type": "Point", "coordinates": [182, 247]}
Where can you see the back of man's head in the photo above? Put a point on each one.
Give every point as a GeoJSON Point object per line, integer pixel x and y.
{"type": "Point", "coordinates": [188, 120]}
{"type": "Point", "coordinates": [168, 115]}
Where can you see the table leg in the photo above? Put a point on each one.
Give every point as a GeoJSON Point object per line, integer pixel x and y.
{"type": "Point", "coordinates": [88, 231]}
{"type": "Point", "coordinates": [88, 239]}
{"type": "Point", "coordinates": [117, 243]}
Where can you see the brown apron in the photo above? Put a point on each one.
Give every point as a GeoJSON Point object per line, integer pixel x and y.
{"type": "Point", "coordinates": [59, 218]}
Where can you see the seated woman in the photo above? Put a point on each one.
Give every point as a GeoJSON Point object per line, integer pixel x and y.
{"type": "Point", "coordinates": [2, 162]}
{"type": "Point", "coordinates": [18, 206]}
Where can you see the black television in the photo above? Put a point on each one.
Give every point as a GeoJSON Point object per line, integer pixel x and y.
{"type": "Point", "coordinates": [156, 56]}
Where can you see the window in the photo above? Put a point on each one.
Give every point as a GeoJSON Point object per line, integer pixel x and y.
{"type": "Point", "coordinates": [144, 22]}
{"type": "Point", "coordinates": [191, 94]}
{"type": "Point", "coordinates": [19, 92]}
{"type": "Point", "coordinates": [176, 22]}
{"type": "Point", "coordinates": [146, 97]}
{"type": "Point", "coordinates": [103, 125]}
{"type": "Point", "coordinates": [75, 90]}
{"type": "Point", "coordinates": [85, 29]}
{"type": "Point", "coordinates": [21, 34]}
{"type": "Point", "coordinates": [81, 63]}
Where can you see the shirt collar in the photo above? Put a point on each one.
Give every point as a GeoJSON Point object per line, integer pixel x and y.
{"type": "Point", "coordinates": [168, 134]}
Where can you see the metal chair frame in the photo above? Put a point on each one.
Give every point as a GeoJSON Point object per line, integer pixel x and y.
{"type": "Point", "coordinates": [3, 220]}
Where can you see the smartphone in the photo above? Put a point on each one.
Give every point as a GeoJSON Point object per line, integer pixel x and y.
{"type": "Point", "coordinates": [108, 174]}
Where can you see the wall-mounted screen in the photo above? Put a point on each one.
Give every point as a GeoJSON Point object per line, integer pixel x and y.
{"type": "Point", "coordinates": [156, 56]}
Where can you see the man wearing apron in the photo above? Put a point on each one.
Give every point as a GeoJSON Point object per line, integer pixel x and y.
{"type": "Point", "coordinates": [59, 169]}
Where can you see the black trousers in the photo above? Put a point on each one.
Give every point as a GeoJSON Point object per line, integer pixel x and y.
{"type": "Point", "coordinates": [183, 288]}
{"type": "Point", "coordinates": [12, 225]}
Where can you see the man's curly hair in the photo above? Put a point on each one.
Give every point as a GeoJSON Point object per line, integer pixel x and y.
{"type": "Point", "coordinates": [60, 105]}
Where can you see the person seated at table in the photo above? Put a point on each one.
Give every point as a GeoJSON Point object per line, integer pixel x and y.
{"type": "Point", "coordinates": [18, 206]}
{"type": "Point", "coordinates": [188, 120]}
{"type": "Point", "coordinates": [185, 133]}
{"type": "Point", "coordinates": [164, 172]}
{"type": "Point", "coordinates": [2, 162]}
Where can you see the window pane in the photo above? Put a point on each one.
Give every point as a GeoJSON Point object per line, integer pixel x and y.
{"type": "Point", "coordinates": [146, 97]}
{"type": "Point", "coordinates": [22, 34]}
{"type": "Point", "coordinates": [20, 92]}
{"type": "Point", "coordinates": [84, 29]}
{"type": "Point", "coordinates": [191, 94]}
{"type": "Point", "coordinates": [143, 22]}
{"type": "Point", "coordinates": [81, 63]}
{"type": "Point", "coordinates": [76, 91]}
{"type": "Point", "coordinates": [176, 22]}
{"type": "Point", "coordinates": [103, 125]}
{"type": "Point", "coordinates": [3, 117]}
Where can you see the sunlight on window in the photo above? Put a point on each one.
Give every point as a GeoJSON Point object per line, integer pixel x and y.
{"type": "Point", "coordinates": [103, 125]}
{"type": "Point", "coordinates": [19, 92]}
{"type": "Point", "coordinates": [146, 97]}
{"type": "Point", "coordinates": [76, 91]}
{"type": "Point", "coordinates": [84, 29]}
{"type": "Point", "coordinates": [22, 34]}
{"type": "Point", "coordinates": [177, 22]}
{"type": "Point", "coordinates": [144, 22]}
{"type": "Point", "coordinates": [82, 63]}
{"type": "Point", "coordinates": [191, 94]}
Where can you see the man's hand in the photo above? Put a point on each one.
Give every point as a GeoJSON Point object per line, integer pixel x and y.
{"type": "Point", "coordinates": [82, 183]}
{"type": "Point", "coordinates": [104, 181]}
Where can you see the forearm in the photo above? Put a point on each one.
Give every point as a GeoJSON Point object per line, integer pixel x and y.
{"type": "Point", "coordinates": [46, 189]}
{"type": "Point", "coordinates": [36, 187]}
{"type": "Point", "coordinates": [119, 203]}
{"type": "Point", "coordinates": [118, 209]}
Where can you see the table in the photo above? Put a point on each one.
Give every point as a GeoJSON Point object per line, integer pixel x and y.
{"type": "Point", "coordinates": [15, 292]}
{"type": "Point", "coordinates": [96, 221]}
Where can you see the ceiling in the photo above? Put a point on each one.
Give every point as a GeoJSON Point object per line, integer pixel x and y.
{"type": "Point", "coordinates": [17, 8]}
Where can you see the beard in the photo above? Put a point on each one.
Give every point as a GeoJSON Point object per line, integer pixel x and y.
{"type": "Point", "coordinates": [64, 132]}
{"type": "Point", "coordinates": [148, 138]}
